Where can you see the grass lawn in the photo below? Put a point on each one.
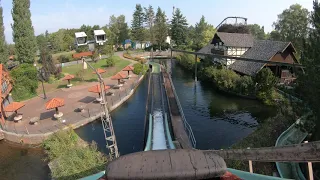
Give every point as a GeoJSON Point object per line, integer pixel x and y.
{"type": "Point", "coordinates": [87, 75]}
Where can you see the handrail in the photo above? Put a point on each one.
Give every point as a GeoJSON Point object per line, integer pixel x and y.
{"type": "Point", "coordinates": [149, 143]}
{"type": "Point", "coordinates": [169, 138]}
{"type": "Point", "coordinates": [187, 127]}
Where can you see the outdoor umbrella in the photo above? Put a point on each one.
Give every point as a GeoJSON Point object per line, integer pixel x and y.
{"type": "Point", "coordinates": [13, 107]}
{"type": "Point", "coordinates": [68, 78]}
{"type": "Point", "coordinates": [54, 103]}
{"type": "Point", "coordinates": [99, 70]}
{"type": "Point", "coordinates": [118, 77]}
{"type": "Point", "coordinates": [128, 68]}
{"type": "Point", "coordinates": [97, 89]}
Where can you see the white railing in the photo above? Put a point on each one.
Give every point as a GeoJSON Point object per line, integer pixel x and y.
{"type": "Point", "coordinates": [187, 126]}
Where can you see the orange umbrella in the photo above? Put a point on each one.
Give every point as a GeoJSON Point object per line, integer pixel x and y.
{"type": "Point", "coordinates": [128, 68]}
{"type": "Point", "coordinates": [13, 107]}
{"type": "Point", "coordinates": [118, 77]}
{"type": "Point", "coordinates": [97, 89]}
{"type": "Point", "coordinates": [68, 77]}
{"type": "Point", "coordinates": [99, 70]}
{"type": "Point", "coordinates": [54, 104]}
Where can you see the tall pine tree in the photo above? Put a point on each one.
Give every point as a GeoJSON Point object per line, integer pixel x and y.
{"type": "Point", "coordinates": [149, 19]}
{"type": "Point", "coordinates": [179, 27]}
{"type": "Point", "coordinates": [3, 46]}
{"type": "Point", "coordinates": [137, 32]}
{"type": "Point", "coordinates": [203, 33]}
{"type": "Point", "coordinates": [23, 32]}
{"type": "Point", "coordinates": [309, 82]}
{"type": "Point", "coordinates": [160, 27]}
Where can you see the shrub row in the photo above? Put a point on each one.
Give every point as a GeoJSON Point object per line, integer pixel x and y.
{"type": "Point", "coordinates": [260, 86]}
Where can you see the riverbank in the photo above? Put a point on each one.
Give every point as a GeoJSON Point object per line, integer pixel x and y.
{"type": "Point", "coordinates": [25, 133]}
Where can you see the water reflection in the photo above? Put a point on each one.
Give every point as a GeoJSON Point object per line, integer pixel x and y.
{"type": "Point", "coordinates": [218, 120]}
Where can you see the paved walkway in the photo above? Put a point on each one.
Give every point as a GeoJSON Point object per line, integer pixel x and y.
{"type": "Point", "coordinates": [74, 97]}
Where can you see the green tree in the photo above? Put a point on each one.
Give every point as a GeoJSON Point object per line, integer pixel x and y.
{"type": "Point", "coordinates": [160, 27]}
{"type": "Point", "coordinates": [274, 35]}
{"type": "Point", "coordinates": [3, 46]}
{"type": "Point", "coordinates": [23, 32]}
{"type": "Point", "coordinates": [179, 27]}
{"type": "Point", "coordinates": [25, 82]}
{"type": "Point", "coordinates": [292, 24]}
{"type": "Point", "coordinates": [257, 31]}
{"type": "Point", "coordinates": [119, 29]}
{"type": "Point", "coordinates": [47, 60]}
{"type": "Point", "coordinates": [149, 19]}
{"type": "Point", "coordinates": [137, 29]}
{"type": "Point", "coordinates": [308, 83]}
{"type": "Point", "coordinates": [88, 30]}
{"type": "Point", "coordinates": [203, 33]}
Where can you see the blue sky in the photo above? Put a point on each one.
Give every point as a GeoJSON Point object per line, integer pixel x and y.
{"type": "Point", "coordinates": [52, 15]}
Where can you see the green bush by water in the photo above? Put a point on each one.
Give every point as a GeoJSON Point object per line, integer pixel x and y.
{"type": "Point", "coordinates": [71, 158]}
{"type": "Point", "coordinates": [260, 86]}
{"type": "Point", "coordinates": [140, 68]}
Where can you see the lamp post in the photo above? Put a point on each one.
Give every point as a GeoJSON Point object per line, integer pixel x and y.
{"type": "Point", "coordinates": [40, 77]}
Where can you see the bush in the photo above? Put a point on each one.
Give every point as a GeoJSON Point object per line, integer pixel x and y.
{"type": "Point", "coordinates": [140, 68]}
{"type": "Point", "coordinates": [107, 50]}
{"type": "Point", "coordinates": [110, 62]}
{"type": "Point", "coordinates": [119, 49]}
{"type": "Point", "coordinates": [25, 82]}
{"type": "Point", "coordinates": [70, 157]}
{"type": "Point", "coordinates": [82, 49]}
{"type": "Point", "coordinates": [265, 82]}
{"type": "Point", "coordinates": [65, 58]}
{"type": "Point", "coordinates": [186, 60]}
{"type": "Point", "coordinates": [80, 75]}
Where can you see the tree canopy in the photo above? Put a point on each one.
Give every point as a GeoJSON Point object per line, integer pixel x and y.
{"type": "Point", "coordinates": [179, 27]}
{"type": "Point", "coordinates": [257, 31]}
{"type": "Point", "coordinates": [292, 25]}
{"type": "Point", "coordinates": [137, 29]}
{"type": "Point", "coordinates": [23, 32]}
{"type": "Point", "coordinates": [3, 46]}
{"type": "Point", "coordinates": [160, 27]}
{"type": "Point", "coordinates": [203, 33]}
{"type": "Point", "coordinates": [149, 19]}
{"type": "Point", "coordinates": [308, 83]}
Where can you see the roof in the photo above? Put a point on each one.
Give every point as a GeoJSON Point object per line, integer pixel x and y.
{"type": "Point", "coordinates": [68, 77]}
{"type": "Point", "coordinates": [80, 34]}
{"type": "Point", "coordinates": [261, 50]}
{"type": "Point", "coordinates": [82, 54]}
{"type": "Point", "coordinates": [13, 106]}
{"type": "Point", "coordinates": [96, 88]}
{"type": "Point", "coordinates": [99, 32]}
{"type": "Point", "coordinates": [128, 68]}
{"type": "Point", "coordinates": [55, 102]}
{"type": "Point", "coordinates": [206, 49]}
{"type": "Point", "coordinates": [118, 76]}
{"type": "Point", "coordinates": [236, 39]}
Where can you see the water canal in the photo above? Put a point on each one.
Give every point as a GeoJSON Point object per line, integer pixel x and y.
{"type": "Point", "coordinates": [217, 120]}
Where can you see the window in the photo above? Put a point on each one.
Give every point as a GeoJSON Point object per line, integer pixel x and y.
{"type": "Point", "coordinates": [4, 87]}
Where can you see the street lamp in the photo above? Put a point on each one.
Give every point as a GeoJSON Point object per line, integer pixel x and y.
{"type": "Point", "coordinates": [40, 77]}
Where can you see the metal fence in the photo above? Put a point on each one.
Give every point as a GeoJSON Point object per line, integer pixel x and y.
{"type": "Point", "coordinates": [187, 126]}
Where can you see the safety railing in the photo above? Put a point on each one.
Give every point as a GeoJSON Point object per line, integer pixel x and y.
{"type": "Point", "coordinates": [187, 126]}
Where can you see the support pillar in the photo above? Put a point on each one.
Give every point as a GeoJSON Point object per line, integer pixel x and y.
{"type": "Point", "coordinates": [196, 68]}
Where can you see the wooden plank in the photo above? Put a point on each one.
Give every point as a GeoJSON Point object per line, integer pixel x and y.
{"type": "Point", "coordinates": [309, 152]}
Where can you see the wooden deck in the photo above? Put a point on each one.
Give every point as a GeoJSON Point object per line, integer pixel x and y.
{"type": "Point", "coordinates": [179, 132]}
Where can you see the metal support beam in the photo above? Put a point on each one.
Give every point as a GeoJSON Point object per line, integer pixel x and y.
{"type": "Point", "coordinates": [196, 68]}
{"type": "Point", "coordinates": [309, 152]}
{"type": "Point", "coordinates": [238, 58]}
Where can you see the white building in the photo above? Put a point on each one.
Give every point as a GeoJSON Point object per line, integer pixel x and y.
{"type": "Point", "coordinates": [100, 36]}
{"type": "Point", "coordinates": [81, 38]}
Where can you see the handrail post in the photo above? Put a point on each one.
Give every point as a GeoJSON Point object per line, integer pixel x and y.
{"type": "Point", "coordinates": [196, 68]}
{"type": "Point", "coordinates": [310, 169]}
{"type": "Point", "coordinates": [250, 165]}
